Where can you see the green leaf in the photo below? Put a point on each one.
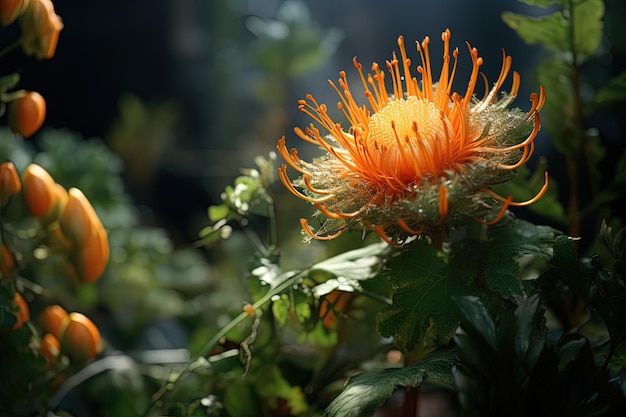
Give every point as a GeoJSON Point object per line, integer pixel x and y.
{"type": "Point", "coordinates": [530, 336]}
{"type": "Point", "coordinates": [217, 213]}
{"type": "Point", "coordinates": [577, 30]}
{"type": "Point", "coordinates": [613, 92]}
{"type": "Point", "coordinates": [549, 31]}
{"type": "Point", "coordinates": [557, 115]}
{"type": "Point", "coordinates": [367, 391]}
{"type": "Point", "coordinates": [346, 271]}
{"type": "Point", "coordinates": [476, 321]}
{"type": "Point", "coordinates": [421, 313]}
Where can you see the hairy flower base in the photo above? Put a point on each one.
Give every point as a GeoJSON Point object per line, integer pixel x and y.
{"type": "Point", "coordinates": [417, 160]}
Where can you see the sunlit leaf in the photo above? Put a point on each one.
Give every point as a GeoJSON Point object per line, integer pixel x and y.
{"type": "Point", "coordinates": [367, 391]}
{"type": "Point", "coordinates": [346, 271]}
{"type": "Point", "coordinates": [577, 30]}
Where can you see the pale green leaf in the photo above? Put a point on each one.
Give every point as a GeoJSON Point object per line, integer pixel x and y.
{"type": "Point", "coordinates": [367, 391]}
{"type": "Point", "coordinates": [578, 30]}
{"type": "Point", "coordinates": [346, 271]}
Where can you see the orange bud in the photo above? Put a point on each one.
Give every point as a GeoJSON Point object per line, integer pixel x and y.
{"type": "Point", "coordinates": [51, 319]}
{"type": "Point", "coordinates": [50, 348]}
{"type": "Point", "coordinates": [79, 220]}
{"type": "Point", "coordinates": [9, 182]}
{"type": "Point", "coordinates": [11, 10]}
{"type": "Point", "coordinates": [40, 29]}
{"type": "Point", "coordinates": [38, 190]}
{"type": "Point", "coordinates": [6, 261]}
{"type": "Point", "coordinates": [26, 114]}
{"type": "Point", "coordinates": [80, 338]}
{"type": "Point", "coordinates": [93, 256]}
{"type": "Point", "coordinates": [23, 313]}
{"type": "Point", "coordinates": [60, 198]}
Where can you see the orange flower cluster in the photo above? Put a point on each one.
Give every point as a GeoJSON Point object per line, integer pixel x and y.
{"type": "Point", "coordinates": [40, 27]}
{"type": "Point", "coordinates": [69, 220]}
{"type": "Point", "coordinates": [39, 23]}
{"type": "Point", "coordinates": [417, 157]}
{"type": "Point", "coordinates": [73, 335]}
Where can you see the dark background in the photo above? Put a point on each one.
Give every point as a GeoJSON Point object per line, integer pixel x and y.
{"type": "Point", "coordinates": [198, 56]}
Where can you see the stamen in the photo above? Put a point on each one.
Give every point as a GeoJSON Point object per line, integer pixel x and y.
{"type": "Point", "coordinates": [443, 203]}
{"type": "Point", "coordinates": [409, 230]}
{"type": "Point", "coordinates": [505, 206]}
{"type": "Point", "coordinates": [381, 233]}
{"type": "Point", "coordinates": [304, 223]}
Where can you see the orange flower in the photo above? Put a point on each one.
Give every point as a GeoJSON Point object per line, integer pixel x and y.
{"type": "Point", "coordinates": [27, 113]}
{"type": "Point", "coordinates": [40, 29]}
{"type": "Point", "coordinates": [11, 10]}
{"type": "Point", "coordinates": [418, 158]}
{"type": "Point", "coordinates": [10, 183]}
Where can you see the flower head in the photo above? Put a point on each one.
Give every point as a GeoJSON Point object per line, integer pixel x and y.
{"type": "Point", "coordinates": [40, 29]}
{"type": "Point", "coordinates": [416, 158]}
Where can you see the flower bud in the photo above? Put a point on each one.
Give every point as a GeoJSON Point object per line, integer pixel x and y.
{"type": "Point", "coordinates": [6, 261]}
{"type": "Point", "coordinates": [80, 338]}
{"type": "Point", "coordinates": [38, 190]}
{"type": "Point", "coordinates": [23, 313]}
{"type": "Point", "coordinates": [26, 113]}
{"type": "Point", "coordinates": [11, 10]}
{"type": "Point", "coordinates": [50, 348]}
{"type": "Point", "coordinates": [10, 183]}
{"type": "Point", "coordinates": [40, 29]}
{"type": "Point", "coordinates": [79, 220]}
{"type": "Point", "coordinates": [93, 256]}
{"type": "Point", "coordinates": [51, 319]}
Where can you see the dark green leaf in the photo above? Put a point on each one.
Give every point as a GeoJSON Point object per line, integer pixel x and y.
{"type": "Point", "coordinates": [476, 321]}
{"type": "Point", "coordinates": [530, 335]}
{"type": "Point", "coordinates": [366, 391]}
{"type": "Point", "coordinates": [422, 310]}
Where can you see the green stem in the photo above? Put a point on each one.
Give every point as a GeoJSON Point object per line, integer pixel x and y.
{"type": "Point", "coordinates": [290, 279]}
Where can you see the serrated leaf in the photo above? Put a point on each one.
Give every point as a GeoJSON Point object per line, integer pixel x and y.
{"type": "Point", "coordinates": [422, 310]}
{"type": "Point", "coordinates": [367, 391]}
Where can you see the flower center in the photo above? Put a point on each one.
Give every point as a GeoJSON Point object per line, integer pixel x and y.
{"type": "Point", "coordinates": [407, 113]}
{"type": "Point", "coordinates": [414, 135]}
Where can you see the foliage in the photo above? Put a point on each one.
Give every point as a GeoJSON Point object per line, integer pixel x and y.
{"type": "Point", "coordinates": [512, 318]}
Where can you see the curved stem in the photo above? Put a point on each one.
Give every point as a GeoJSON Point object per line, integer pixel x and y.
{"type": "Point", "coordinates": [290, 279]}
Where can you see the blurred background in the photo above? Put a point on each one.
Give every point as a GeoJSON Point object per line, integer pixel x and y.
{"type": "Point", "coordinates": [189, 91]}
{"type": "Point", "coordinates": [183, 94]}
